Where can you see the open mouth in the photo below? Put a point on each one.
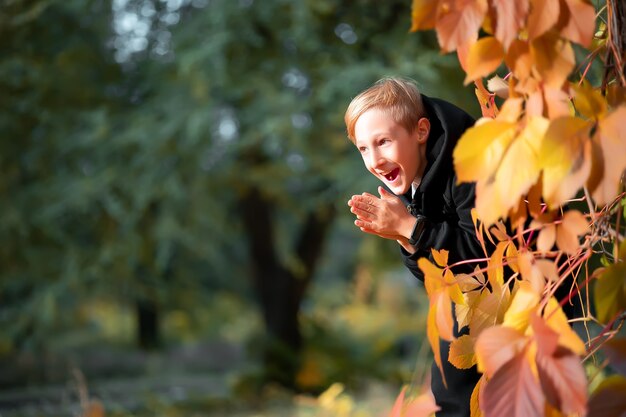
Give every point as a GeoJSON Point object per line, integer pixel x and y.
{"type": "Point", "coordinates": [392, 175]}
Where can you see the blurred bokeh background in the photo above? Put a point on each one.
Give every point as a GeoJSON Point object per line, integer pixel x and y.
{"type": "Point", "coordinates": [175, 236]}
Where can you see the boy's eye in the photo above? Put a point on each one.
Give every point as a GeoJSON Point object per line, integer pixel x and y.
{"type": "Point", "coordinates": [383, 141]}
{"type": "Point", "coordinates": [362, 149]}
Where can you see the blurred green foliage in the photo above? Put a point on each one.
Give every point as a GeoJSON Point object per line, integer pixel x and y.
{"type": "Point", "coordinates": [135, 131]}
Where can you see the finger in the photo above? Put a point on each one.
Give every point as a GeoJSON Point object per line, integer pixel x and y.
{"type": "Point", "coordinates": [360, 213]}
{"type": "Point", "coordinates": [384, 194]}
{"type": "Point", "coordinates": [368, 199]}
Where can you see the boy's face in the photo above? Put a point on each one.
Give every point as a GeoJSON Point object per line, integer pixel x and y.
{"type": "Point", "coordinates": [389, 151]}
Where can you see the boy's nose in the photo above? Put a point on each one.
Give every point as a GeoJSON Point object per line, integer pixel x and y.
{"type": "Point", "coordinates": [376, 160]}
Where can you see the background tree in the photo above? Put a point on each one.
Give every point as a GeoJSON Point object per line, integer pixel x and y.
{"type": "Point", "coordinates": [155, 151]}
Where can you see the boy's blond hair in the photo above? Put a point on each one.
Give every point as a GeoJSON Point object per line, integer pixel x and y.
{"type": "Point", "coordinates": [398, 97]}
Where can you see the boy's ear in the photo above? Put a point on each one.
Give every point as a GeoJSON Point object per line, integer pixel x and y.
{"type": "Point", "coordinates": [423, 129]}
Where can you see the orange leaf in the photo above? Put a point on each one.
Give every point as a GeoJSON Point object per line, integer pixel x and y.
{"type": "Point", "coordinates": [485, 99]}
{"type": "Point", "coordinates": [609, 166]}
{"type": "Point", "coordinates": [396, 411]}
{"type": "Point", "coordinates": [565, 156]}
{"type": "Point", "coordinates": [573, 225]}
{"type": "Point", "coordinates": [510, 18]}
{"type": "Point", "coordinates": [462, 352]}
{"type": "Point", "coordinates": [543, 16]}
{"type": "Point", "coordinates": [485, 56]}
{"type": "Point", "coordinates": [557, 102]}
{"type": "Point", "coordinates": [547, 237]}
{"type": "Point", "coordinates": [495, 273]}
{"type": "Point", "coordinates": [579, 22]}
{"type": "Point", "coordinates": [440, 257]}
{"type": "Point", "coordinates": [518, 59]}
{"type": "Point", "coordinates": [423, 14]}
{"type": "Point", "coordinates": [513, 391]}
{"type": "Point", "coordinates": [458, 22]}
{"type": "Point", "coordinates": [531, 272]}
{"type": "Point", "coordinates": [496, 346]}
{"type": "Point", "coordinates": [554, 59]}
{"type": "Point", "coordinates": [422, 406]}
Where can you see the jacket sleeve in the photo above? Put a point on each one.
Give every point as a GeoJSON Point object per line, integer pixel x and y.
{"type": "Point", "coordinates": [455, 233]}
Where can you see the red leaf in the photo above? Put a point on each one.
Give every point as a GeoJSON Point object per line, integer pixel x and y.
{"type": "Point", "coordinates": [513, 391]}
{"type": "Point", "coordinates": [560, 371]}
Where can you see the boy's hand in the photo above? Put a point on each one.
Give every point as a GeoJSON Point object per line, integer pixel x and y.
{"type": "Point", "coordinates": [386, 216]}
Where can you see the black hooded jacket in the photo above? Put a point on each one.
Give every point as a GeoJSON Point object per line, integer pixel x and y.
{"type": "Point", "coordinates": [446, 204]}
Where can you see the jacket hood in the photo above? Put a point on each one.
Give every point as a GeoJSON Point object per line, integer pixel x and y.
{"type": "Point", "coordinates": [447, 124]}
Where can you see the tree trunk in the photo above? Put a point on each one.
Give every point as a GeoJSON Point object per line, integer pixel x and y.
{"type": "Point", "coordinates": [148, 335]}
{"type": "Point", "coordinates": [280, 290]}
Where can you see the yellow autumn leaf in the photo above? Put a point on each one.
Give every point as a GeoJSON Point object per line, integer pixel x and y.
{"type": "Point", "coordinates": [589, 101]}
{"type": "Point", "coordinates": [489, 206]}
{"type": "Point", "coordinates": [442, 307]}
{"type": "Point", "coordinates": [485, 56]}
{"type": "Point", "coordinates": [463, 312]}
{"type": "Point", "coordinates": [553, 58]}
{"type": "Point", "coordinates": [474, 399]}
{"type": "Point", "coordinates": [524, 303]}
{"type": "Point", "coordinates": [433, 276]}
{"type": "Point", "coordinates": [510, 110]}
{"type": "Point", "coordinates": [433, 338]}
{"type": "Point", "coordinates": [610, 288]}
{"type": "Point", "coordinates": [488, 310]}
{"type": "Point", "coordinates": [565, 156]}
{"type": "Point", "coordinates": [462, 353]}
{"type": "Point", "coordinates": [479, 151]}
{"type": "Point", "coordinates": [513, 178]}
{"type": "Point", "coordinates": [610, 163]}
{"type": "Point", "coordinates": [452, 288]}
{"type": "Point", "coordinates": [495, 271]}
{"type": "Point", "coordinates": [557, 320]}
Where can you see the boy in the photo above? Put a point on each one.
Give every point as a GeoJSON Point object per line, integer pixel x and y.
{"type": "Point", "coordinates": [406, 141]}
